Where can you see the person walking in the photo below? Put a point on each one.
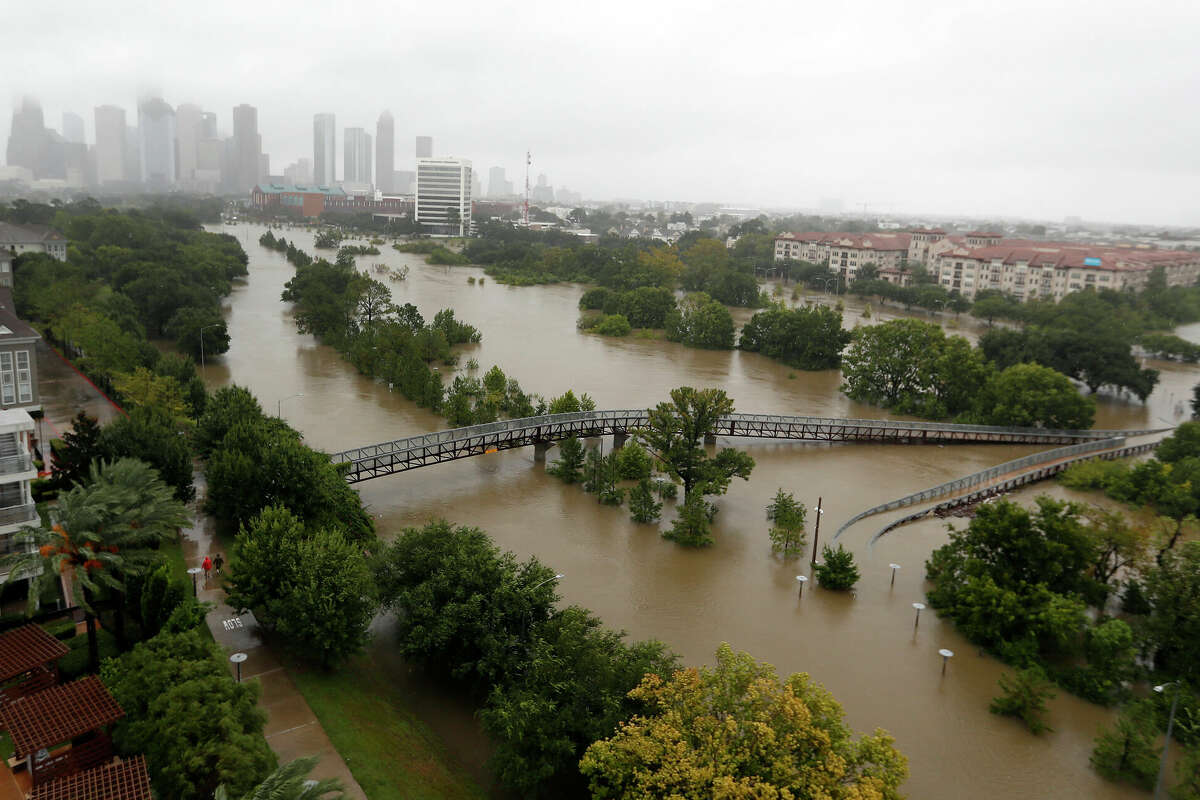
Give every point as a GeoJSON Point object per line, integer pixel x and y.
{"type": "Point", "coordinates": [207, 565]}
{"type": "Point", "coordinates": [218, 562]}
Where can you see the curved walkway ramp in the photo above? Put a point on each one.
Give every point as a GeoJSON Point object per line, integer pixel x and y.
{"type": "Point", "coordinates": [999, 480]}
{"type": "Point", "coordinates": [413, 452]}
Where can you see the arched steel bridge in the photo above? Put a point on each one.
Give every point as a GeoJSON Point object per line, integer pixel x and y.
{"type": "Point", "coordinates": [413, 452]}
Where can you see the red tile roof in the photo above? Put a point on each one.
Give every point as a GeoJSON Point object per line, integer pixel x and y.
{"type": "Point", "coordinates": [26, 648]}
{"type": "Point", "coordinates": [54, 715]}
{"type": "Point", "coordinates": [127, 780]}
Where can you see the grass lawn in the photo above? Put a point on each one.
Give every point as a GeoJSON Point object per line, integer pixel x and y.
{"type": "Point", "coordinates": [392, 754]}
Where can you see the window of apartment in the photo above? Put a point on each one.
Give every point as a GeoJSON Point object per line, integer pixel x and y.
{"type": "Point", "coordinates": [24, 381]}
{"type": "Point", "coordinates": [8, 379]}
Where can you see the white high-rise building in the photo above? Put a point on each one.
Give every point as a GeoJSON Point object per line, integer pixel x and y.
{"type": "Point", "coordinates": [156, 129]}
{"type": "Point", "coordinates": [357, 169]}
{"type": "Point", "coordinates": [324, 149]}
{"type": "Point", "coordinates": [444, 194]}
{"type": "Point", "coordinates": [187, 139]}
{"type": "Point", "coordinates": [110, 145]}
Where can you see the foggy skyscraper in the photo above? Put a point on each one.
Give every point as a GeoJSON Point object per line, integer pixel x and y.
{"type": "Point", "coordinates": [424, 147]}
{"type": "Point", "coordinates": [324, 150]}
{"type": "Point", "coordinates": [357, 168]}
{"type": "Point", "coordinates": [247, 148]}
{"type": "Point", "coordinates": [385, 152]}
{"type": "Point", "coordinates": [110, 144]}
{"type": "Point", "coordinates": [156, 137]}
{"type": "Point", "coordinates": [187, 138]}
{"type": "Point", "coordinates": [28, 142]}
{"type": "Point", "coordinates": [72, 128]}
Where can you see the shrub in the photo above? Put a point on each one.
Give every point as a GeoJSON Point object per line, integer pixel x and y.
{"type": "Point", "coordinates": [613, 325]}
{"type": "Point", "coordinates": [837, 569]}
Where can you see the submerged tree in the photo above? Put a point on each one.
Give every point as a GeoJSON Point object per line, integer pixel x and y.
{"type": "Point", "coordinates": [787, 530]}
{"type": "Point", "coordinates": [1024, 696]}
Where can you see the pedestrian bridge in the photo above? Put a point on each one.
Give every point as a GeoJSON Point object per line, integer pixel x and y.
{"type": "Point", "coordinates": [413, 452]}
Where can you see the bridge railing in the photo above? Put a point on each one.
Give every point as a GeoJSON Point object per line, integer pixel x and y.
{"type": "Point", "coordinates": [984, 476]}
{"type": "Point", "coordinates": [729, 422]}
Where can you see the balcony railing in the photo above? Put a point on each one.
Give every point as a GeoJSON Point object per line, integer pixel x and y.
{"type": "Point", "coordinates": [14, 515]}
{"type": "Point", "coordinates": [13, 464]}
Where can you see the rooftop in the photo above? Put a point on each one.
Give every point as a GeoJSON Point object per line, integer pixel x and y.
{"type": "Point", "coordinates": [11, 234]}
{"type": "Point", "coordinates": [299, 188]}
{"type": "Point", "coordinates": [58, 714]}
{"type": "Point", "coordinates": [29, 646]}
{"type": "Point", "coordinates": [127, 780]}
{"type": "Point", "coordinates": [12, 327]}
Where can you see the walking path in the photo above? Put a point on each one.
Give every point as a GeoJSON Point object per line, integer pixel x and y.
{"type": "Point", "coordinates": [292, 729]}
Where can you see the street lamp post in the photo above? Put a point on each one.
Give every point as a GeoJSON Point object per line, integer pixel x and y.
{"type": "Point", "coordinates": [203, 328]}
{"type": "Point", "coordinates": [194, 571]}
{"type": "Point", "coordinates": [237, 659]}
{"type": "Point", "coordinates": [917, 621]}
{"type": "Point", "coordinates": [946, 656]}
{"type": "Point", "coordinates": [800, 579]}
{"type": "Point", "coordinates": [894, 568]}
{"type": "Point", "coordinates": [1162, 765]}
{"type": "Point", "coordinates": [279, 402]}
{"type": "Point", "coordinates": [817, 531]}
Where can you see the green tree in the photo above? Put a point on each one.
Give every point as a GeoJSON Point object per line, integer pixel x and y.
{"type": "Point", "coordinates": [462, 606]}
{"type": "Point", "coordinates": [573, 689]}
{"type": "Point", "coordinates": [568, 468]}
{"type": "Point", "coordinates": [700, 321]}
{"type": "Point", "coordinates": [787, 517]}
{"type": "Point", "coordinates": [1126, 751]}
{"type": "Point", "coordinates": [81, 446]}
{"type": "Point", "coordinates": [568, 403]}
{"type": "Point", "coordinates": [153, 435]}
{"type": "Point", "coordinates": [227, 407]}
{"type": "Point", "coordinates": [642, 505]}
{"type": "Point", "coordinates": [192, 326]}
{"type": "Point", "coordinates": [197, 728]}
{"type": "Point", "coordinates": [1024, 695]}
{"type": "Point", "coordinates": [146, 389]}
{"type": "Point", "coordinates": [805, 338]}
{"type": "Point", "coordinates": [1188, 772]}
{"type": "Point", "coordinates": [290, 782]}
{"type": "Point", "coordinates": [1033, 396]}
{"type": "Point", "coordinates": [1173, 625]}
{"type": "Point", "coordinates": [892, 364]}
{"type": "Point", "coordinates": [105, 530]}
{"type": "Point", "coordinates": [613, 325]}
{"type": "Point", "coordinates": [691, 740]}
{"type": "Point", "coordinates": [633, 463]}
{"type": "Point", "coordinates": [837, 569]}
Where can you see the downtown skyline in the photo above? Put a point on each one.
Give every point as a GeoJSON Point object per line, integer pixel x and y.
{"type": "Point", "coordinates": [942, 108]}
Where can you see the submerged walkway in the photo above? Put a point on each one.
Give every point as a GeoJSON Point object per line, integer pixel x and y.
{"type": "Point", "coordinates": [292, 729]}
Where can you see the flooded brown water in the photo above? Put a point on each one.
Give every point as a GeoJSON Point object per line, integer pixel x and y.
{"type": "Point", "coordinates": [862, 647]}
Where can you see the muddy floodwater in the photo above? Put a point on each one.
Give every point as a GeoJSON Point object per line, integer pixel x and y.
{"type": "Point", "coordinates": [861, 646]}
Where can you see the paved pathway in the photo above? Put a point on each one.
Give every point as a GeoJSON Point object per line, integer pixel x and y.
{"type": "Point", "coordinates": [292, 728]}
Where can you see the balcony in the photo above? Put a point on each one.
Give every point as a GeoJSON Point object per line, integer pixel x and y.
{"type": "Point", "coordinates": [13, 464]}
{"type": "Point", "coordinates": [19, 515]}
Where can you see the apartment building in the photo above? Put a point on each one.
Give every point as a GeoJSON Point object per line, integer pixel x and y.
{"type": "Point", "coordinates": [18, 239]}
{"type": "Point", "coordinates": [17, 471]}
{"type": "Point", "coordinates": [1047, 270]}
{"type": "Point", "coordinates": [850, 252]}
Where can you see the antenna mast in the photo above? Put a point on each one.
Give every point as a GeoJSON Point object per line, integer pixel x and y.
{"type": "Point", "coordinates": [528, 161]}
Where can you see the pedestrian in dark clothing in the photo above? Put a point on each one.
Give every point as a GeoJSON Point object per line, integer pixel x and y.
{"type": "Point", "coordinates": [218, 562]}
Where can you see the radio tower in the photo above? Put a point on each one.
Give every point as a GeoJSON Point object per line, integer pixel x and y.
{"type": "Point", "coordinates": [528, 161]}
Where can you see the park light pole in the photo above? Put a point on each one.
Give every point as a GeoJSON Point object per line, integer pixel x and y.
{"type": "Point", "coordinates": [919, 607]}
{"type": "Point", "coordinates": [194, 571]}
{"type": "Point", "coordinates": [203, 328]}
{"type": "Point", "coordinates": [817, 531]}
{"type": "Point", "coordinates": [279, 402]}
{"type": "Point", "coordinates": [894, 567]}
{"type": "Point", "coordinates": [557, 577]}
{"type": "Point", "coordinates": [800, 579]}
{"type": "Point", "coordinates": [946, 656]}
{"type": "Point", "coordinates": [1162, 765]}
{"type": "Point", "coordinates": [238, 658]}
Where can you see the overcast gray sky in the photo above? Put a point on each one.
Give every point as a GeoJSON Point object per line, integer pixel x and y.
{"type": "Point", "coordinates": [1039, 109]}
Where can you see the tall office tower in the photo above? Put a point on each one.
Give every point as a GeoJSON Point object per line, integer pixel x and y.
{"type": "Point", "coordinates": [248, 148]}
{"type": "Point", "coordinates": [208, 125]}
{"type": "Point", "coordinates": [72, 128]}
{"type": "Point", "coordinates": [324, 150]}
{"type": "Point", "coordinates": [357, 168]}
{"type": "Point", "coordinates": [424, 147]}
{"type": "Point", "coordinates": [385, 152]}
{"type": "Point", "coordinates": [156, 131]}
{"type": "Point", "coordinates": [404, 181]}
{"type": "Point", "coordinates": [496, 182]}
{"type": "Point", "coordinates": [299, 173]}
{"type": "Point", "coordinates": [210, 152]}
{"type": "Point", "coordinates": [110, 144]}
{"type": "Point", "coordinates": [133, 156]}
{"type": "Point", "coordinates": [187, 140]}
{"type": "Point", "coordinates": [28, 141]}
{"type": "Point", "coordinates": [444, 194]}
{"type": "Point", "coordinates": [476, 185]}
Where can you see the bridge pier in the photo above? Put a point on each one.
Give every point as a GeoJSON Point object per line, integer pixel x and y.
{"type": "Point", "coordinates": [710, 438]}
{"type": "Point", "coordinates": [539, 451]}
{"type": "Point", "coordinates": [619, 439]}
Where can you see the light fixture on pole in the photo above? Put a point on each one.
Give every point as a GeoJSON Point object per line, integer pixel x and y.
{"type": "Point", "coordinates": [279, 402]}
{"type": "Point", "coordinates": [894, 568]}
{"type": "Point", "coordinates": [919, 607]}
{"type": "Point", "coordinates": [817, 530]}
{"type": "Point", "coordinates": [1162, 766]}
{"type": "Point", "coordinates": [237, 659]}
{"type": "Point", "coordinates": [800, 579]}
{"type": "Point", "coordinates": [203, 328]}
{"type": "Point", "coordinates": [946, 656]}
{"type": "Point", "coordinates": [194, 571]}
{"type": "Point", "coordinates": [558, 577]}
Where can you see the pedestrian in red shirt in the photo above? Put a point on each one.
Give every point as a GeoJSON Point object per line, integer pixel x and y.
{"type": "Point", "coordinates": [207, 565]}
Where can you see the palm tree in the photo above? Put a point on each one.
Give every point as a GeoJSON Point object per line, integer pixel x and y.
{"type": "Point", "coordinates": [103, 530]}
{"type": "Point", "coordinates": [289, 782]}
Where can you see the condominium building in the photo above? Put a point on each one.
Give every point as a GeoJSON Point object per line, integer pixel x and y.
{"type": "Point", "coordinates": [324, 149]}
{"type": "Point", "coordinates": [845, 253]}
{"type": "Point", "coordinates": [444, 194]}
{"type": "Point", "coordinates": [17, 472]}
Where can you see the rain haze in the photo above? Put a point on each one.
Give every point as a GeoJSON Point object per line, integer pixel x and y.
{"type": "Point", "coordinates": [1023, 109]}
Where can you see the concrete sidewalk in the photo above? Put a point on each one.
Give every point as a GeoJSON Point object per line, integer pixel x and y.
{"type": "Point", "coordinates": [292, 729]}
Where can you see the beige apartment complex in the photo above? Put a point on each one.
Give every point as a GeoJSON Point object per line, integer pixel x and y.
{"type": "Point", "coordinates": [1023, 268]}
